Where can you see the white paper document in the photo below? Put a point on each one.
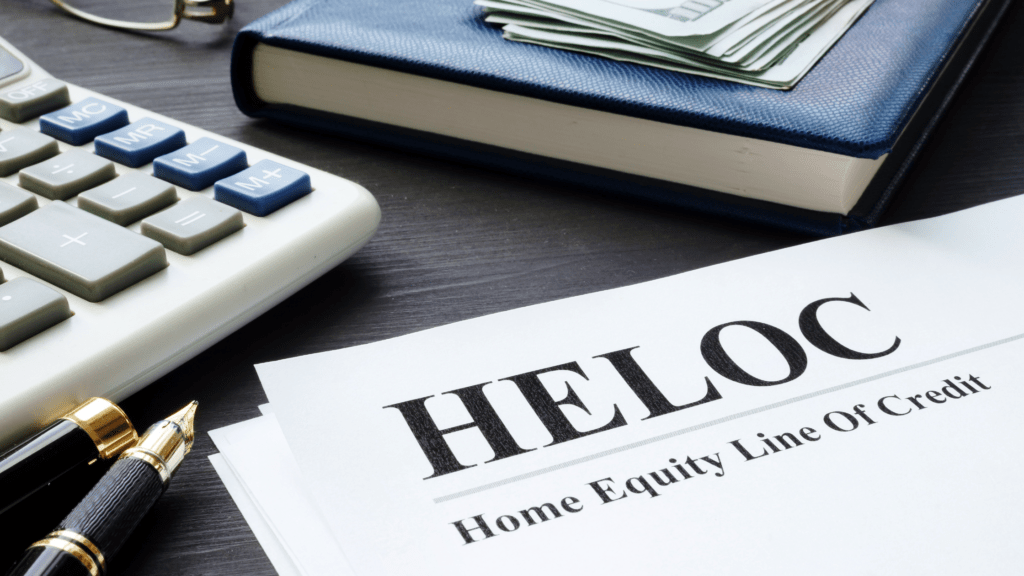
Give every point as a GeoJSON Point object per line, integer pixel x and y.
{"type": "Point", "coordinates": [264, 481]}
{"type": "Point", "coordinates": [849, 406]}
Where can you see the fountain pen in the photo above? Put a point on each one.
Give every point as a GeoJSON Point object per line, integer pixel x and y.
{"type": "Point", "coordinates": [97, 528]}
{"type": "Point", "coordinates": [96, 430]}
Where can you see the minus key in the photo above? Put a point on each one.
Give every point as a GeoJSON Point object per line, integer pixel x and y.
{"type": "Point", "coordinates": [200, 164]}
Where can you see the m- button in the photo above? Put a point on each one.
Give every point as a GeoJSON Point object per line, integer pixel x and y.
{"type": "Point", "coordinates": [200, 164]}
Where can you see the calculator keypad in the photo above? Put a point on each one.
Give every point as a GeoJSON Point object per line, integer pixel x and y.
{"type": "Point", "coordinates": [86, 250]}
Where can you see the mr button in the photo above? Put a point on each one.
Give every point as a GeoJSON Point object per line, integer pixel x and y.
{"type": "Point", "coordinates": [140, 142]}
{"type": "Point", "coordinates": [263, 188]}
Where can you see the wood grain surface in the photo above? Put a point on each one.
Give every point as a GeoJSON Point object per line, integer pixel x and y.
{"type": "Point", "coordinates": [456, 242]}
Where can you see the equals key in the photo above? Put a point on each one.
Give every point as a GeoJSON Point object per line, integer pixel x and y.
{"type": "Point", "coordinates": [193, 224]}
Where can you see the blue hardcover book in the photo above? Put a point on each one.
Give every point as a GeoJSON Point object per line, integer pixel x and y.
{"type": "Point", "coordinates": [431, 75]}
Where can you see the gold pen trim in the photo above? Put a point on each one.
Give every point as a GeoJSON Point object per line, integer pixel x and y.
{"type": "Point", "coordinates": [150, 458]}
{"type": "Point", "coordinates": [76, 537]}
{"type": "Point", "coordinates": [74, 549]}
{"type": "Point", "coordinates": [106, 424]}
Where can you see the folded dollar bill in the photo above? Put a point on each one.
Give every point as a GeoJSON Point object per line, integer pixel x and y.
{"type": "Point", "coordinates": [766, 43]}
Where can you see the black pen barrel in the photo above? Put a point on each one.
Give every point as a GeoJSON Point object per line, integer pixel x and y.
{"type": "Point", "coordinates": [114, 507]}
{"type": "Point", "coordinates": [101, 523]}
{"type": "Point", "coordinates": [98, 527]}
{"type": "Point", "coordinates": [56, 450]}
{"type": "Point", "coordinates": [49, 561]}
{"type": "Point", "coordinates": [96, 430]}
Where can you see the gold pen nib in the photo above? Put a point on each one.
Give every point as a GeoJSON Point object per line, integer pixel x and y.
{"type": "Point", "coordinates": [167, 442]}
{"type": "Point", "coordinates": [185, 420]}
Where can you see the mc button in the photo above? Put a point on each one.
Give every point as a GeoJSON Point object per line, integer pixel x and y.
{"type": "Point", "coordinates": [82, 121]}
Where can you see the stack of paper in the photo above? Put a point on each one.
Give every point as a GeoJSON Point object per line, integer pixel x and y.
{"type": "Point", "coordinates": [768, 43]}
{"type": "Point", "coordinates": [259, 471]}
{"type": "Point", "coordinates": [847, 406]}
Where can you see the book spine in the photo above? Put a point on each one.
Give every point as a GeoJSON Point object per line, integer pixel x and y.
{"type": "Point", "coordinates": [241, 73]}
{"type": "Point", "coordinates": [594, 179]}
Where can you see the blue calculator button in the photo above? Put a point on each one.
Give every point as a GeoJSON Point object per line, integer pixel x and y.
{"type": "Point", "coordinates": [200, 164]}
{"type": "Point", "coordinates": [140, 142]}
{"type": "Point", "coordinates": [263, 188]}
{"type": "Point", "coordinates": [82, 121]}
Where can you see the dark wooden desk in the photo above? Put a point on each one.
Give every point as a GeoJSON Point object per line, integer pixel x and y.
{"type": "Point", "coordinates": [456, 242]}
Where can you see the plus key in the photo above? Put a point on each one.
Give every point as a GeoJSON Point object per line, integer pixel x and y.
{"type": "Point", "coordinates": [79, 252]}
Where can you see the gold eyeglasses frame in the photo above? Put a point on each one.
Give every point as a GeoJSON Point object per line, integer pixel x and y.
{"type": "Point", "coordinates": [209, 11]}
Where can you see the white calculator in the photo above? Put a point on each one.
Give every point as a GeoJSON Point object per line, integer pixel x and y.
{"type": "Point", "coordinates": [130, 242]}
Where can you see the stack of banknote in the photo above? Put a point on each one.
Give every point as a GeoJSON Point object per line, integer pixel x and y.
{"type": "Point", "coordinates": [767, 43]}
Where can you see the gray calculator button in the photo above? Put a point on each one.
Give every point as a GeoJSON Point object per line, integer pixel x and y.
{"type": "Point", "coordinates": [27, 308]}
{"type": "Point", "coordinates": [128, 198]}
{"type": "Point", "coordinates": [20, 147]}
{"type": "Point", "coordinates": [194, 224]}
{"type": "Point", "coordinates": [26, 101]}
{"type": "Point", "coordinates": [14, 203]}
{"type": "Point", "coordinates": [63, 176]}
{"type": "Point", "coordinates": [79, 252]}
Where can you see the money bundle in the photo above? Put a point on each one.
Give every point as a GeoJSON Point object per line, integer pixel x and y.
{"type": "Point", "coordinates": [767, 43]}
